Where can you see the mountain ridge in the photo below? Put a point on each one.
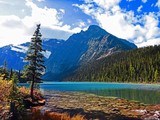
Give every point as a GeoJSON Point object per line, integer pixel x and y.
{"type": "Point", "coordinates": [14, 55]}
{"type": "Point", "coordinates": [64, 57]}
{"type": "Point", "coordinates": [80, 47]}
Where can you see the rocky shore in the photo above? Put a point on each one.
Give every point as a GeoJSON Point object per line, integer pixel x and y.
{"type": "Point", "coordinates": [95, 107]}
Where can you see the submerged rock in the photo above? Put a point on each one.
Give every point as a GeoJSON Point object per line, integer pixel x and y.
{"type": "Point", "coordinates": [98, 107]}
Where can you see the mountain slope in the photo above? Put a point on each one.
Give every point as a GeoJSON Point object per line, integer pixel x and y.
{"type": "Point", "coordinates": [86, 46]}
{"type": "Point", "coordinates": [139, 65]}
{"type": "Point", "coordinates": [63, 57]}
{"type": "Point", "coordinates": [14, 55]}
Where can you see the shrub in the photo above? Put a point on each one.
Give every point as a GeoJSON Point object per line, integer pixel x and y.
{"type": "Point", "coordinates": [5, 88]}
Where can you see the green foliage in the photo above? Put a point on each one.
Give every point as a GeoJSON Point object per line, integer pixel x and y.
{"type": "Point", "coordinates": [15, 95]}
{"type": "Point", "coordinates": [1, 70]}
{"type": "Point", "coordinates": [9, 93]}
{"type": "Point", "coordinates": [139, 65]}
{"type": "Point", "coordinates": [35, 67]}
{"type": "Point", "coordinates": [35, 57]}
{"type": "Point", "coordinates": [8, 74]}
{"type": "Point", "coordinates": [14, 90]}
{"type": "Point", "coordinates": [5, 71]}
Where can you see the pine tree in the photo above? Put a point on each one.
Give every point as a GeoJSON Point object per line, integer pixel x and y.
{"type": "Point", "coordinates": [5, 71]}
{"type": "Point", "coordinates": [35, 67]}
{"type": "Point", "coordinates": [14, 89]}
{"type": "Point", "coordinates": [10, 74]}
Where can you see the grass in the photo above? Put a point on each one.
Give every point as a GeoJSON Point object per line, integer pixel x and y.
{"type": "Point", "coordinates": [38, 115]}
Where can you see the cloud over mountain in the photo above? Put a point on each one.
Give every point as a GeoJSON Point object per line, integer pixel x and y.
{"type": "Point", "coordinates": [140, 29]}
{"type": "Point", "coordinates": [136, 21]}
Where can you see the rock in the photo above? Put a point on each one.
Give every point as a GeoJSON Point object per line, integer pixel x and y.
{"type": "Point", "coordinates": [115, 109]}
{"type": "Point", "coordinates": [157, 114]}
{"type": "Point", "coordinates": [92, 105]}
{"type": "Point", "coordinates": [141, 111]}
{"type": "Point", "coordinates": [151, 118]}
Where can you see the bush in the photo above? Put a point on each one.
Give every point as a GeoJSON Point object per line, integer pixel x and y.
{"type": "Point", "coordinates": [5, 88]}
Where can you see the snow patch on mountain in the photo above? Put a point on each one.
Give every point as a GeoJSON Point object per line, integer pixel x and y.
{"type": "Point", "coordinates": [24, 49]}
{"type": "Point", "coordinates": [19, 48]}
{"type": "Point", "coordinates": [22, 58]}
{"type": "Point", "coordinates": [47, 53]}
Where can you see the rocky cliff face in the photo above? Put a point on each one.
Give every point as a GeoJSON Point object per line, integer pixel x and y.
{"type": "Point", "coordinates": [92, 44]}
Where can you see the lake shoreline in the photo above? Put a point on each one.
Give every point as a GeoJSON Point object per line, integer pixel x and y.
{"type": "Point", "coordinates": [150, 93]}
{"type": "Point", "coordinates": [98, 107]}
{"type": "Point", "coordinates": [103, 82]}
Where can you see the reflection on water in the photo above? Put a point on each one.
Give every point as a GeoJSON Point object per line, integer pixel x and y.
{"type": "Point", "coordinates": [144, 96]}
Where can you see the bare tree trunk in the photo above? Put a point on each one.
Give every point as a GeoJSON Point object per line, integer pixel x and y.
{"type": "Point", "coordinates": [32, 88]}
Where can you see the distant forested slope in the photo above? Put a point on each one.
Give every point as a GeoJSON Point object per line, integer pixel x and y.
{"type": "Point", "coordinates": [139, 65]}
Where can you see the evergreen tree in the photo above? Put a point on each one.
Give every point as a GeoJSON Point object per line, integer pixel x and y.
{"type": "Point", "coordinates": [35, 67]}
{"type": "Point", "coordinates": [19, 75]}
{"type": "Point", "coordinates": [5, 71]}
{"type": "Point", "coordinates": [14, 89]}
{"type": "Point", "coordinates": [10, 74]}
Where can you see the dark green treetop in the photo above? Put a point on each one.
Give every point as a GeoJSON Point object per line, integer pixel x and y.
{"type": "Point", "coordinates": [35, 67]}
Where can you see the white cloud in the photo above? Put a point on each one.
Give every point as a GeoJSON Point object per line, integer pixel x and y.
{"type": "Point", "coordinates": [129, 0]}
{"type": "Point", "coordinates": [139, 8]}
{"type": "Point", "coordinates": [158, 3]}
{"type": "Point", "coordinates": [122, 23]}
{"type": "Point", "coordinates": [4, 2]}
{"type": "Point", "coordinates": [82, 24]}
{"type": "Point", "coordinates": [149, 42]}
{"type": "Point", "coordinates": [89, 21]}
{"type": "Point", "coordinates": [10, 33]}
{"type": "Point", "coordinates": [40, 0]}
{"type": "Point", "coordinates": [144, 1]}
{"type": "Point", "coordinates": [151, 25]}
{"type": "Point", "coordinates": [22, 10]}
{"type": "Point", "coordinates": [16, 30]}
{"type": "Point", "coordinates": [46, 16]}
{"type": "Point", "coordinates": [62, 10]}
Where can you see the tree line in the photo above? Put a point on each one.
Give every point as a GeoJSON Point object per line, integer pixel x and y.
{"type": "Point", "coordinates": [138, 65]}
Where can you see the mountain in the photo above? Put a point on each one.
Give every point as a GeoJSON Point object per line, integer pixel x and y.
{"type": "Point", "coordinates": [62, 58]}
{"type": "Point", "coordinates": [14, 55]}
{"type": "Point", "coordinates": [86, 46]}
{"type": "Point", "coordinates": [138, 65]}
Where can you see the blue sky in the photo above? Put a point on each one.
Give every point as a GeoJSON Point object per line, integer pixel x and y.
{"type": "Point", "coordinates": [134, 20]}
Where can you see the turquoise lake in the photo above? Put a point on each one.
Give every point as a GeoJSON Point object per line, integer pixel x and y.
{"type": "Point", "coordinates": [148, 94]}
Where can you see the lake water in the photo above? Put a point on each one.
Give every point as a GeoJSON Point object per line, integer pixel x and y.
{"type": "Point", "coordinates": [149, 94]}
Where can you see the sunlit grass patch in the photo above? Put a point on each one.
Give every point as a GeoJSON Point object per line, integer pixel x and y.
{"type": "Point", "coordinates": [38, 115]}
